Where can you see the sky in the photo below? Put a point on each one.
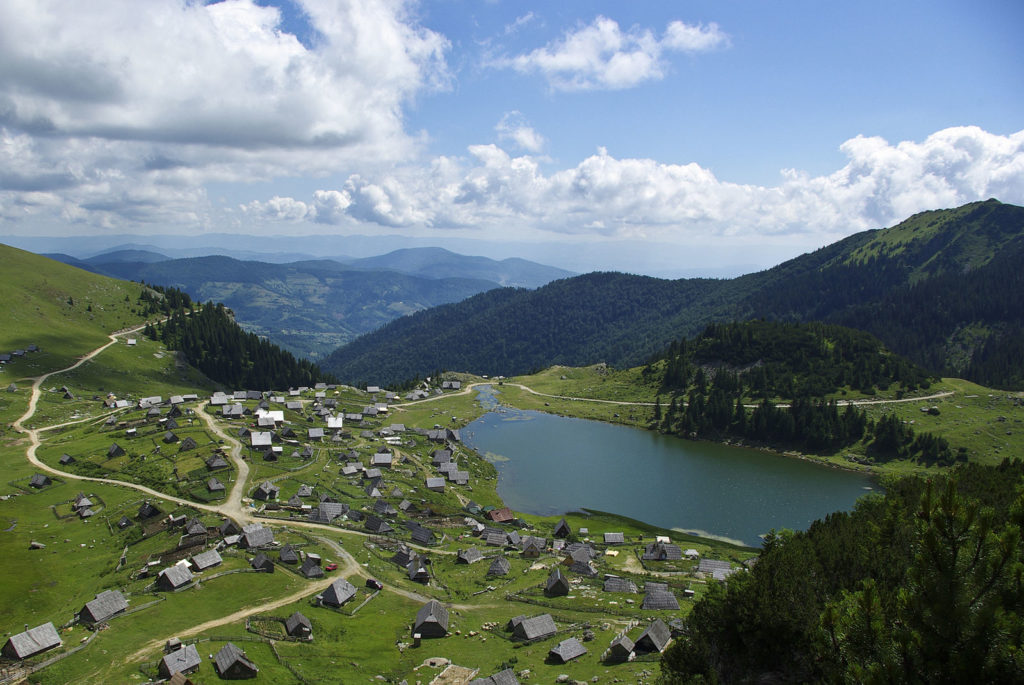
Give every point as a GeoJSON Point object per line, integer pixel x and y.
{"type": "Point", "coordinates": [651, 137]}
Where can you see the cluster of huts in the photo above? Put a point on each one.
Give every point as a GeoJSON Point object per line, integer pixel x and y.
{"type": "Point", "coordinates": [425, 389]}
{"type": "Point", "coordinates": [7, 357]}
{"type": "Point", "coordinates": [230, 662]}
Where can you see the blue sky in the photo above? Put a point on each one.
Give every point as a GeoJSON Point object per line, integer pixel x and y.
{"type": "Point", "coordinates": [650, 137]}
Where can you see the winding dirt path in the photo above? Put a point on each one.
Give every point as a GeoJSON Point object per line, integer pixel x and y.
{"type": "Point", "coordinates": [841, 403]}
{"type": "Point", "coordinates": [232, 506]}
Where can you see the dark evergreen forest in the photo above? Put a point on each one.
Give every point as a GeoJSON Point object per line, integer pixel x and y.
{"type": "Point", "coordinates": [922, 585]}
{"type": "Point", "coordinates": [787, 369]}
{"type": "Point", "coordinates": [211, 340]}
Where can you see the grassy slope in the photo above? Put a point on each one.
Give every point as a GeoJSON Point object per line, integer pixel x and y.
{"type": "Point", "coordinates": [48, 303]}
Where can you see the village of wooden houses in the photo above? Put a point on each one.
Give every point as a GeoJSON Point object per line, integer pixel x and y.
{"type": "Point", "coordinates": [324, 534]}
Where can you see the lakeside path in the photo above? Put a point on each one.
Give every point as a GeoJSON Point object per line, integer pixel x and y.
{"type": "Point", "coordinates": [842, 403]}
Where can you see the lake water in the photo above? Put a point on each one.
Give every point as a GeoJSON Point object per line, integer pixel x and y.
{"type": "Point", "coordinates": [551, 464]}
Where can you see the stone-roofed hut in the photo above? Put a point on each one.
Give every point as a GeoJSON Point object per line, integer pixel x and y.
{"type": "Point", "coordinates": [183, 660]}
{"type": "Point", "coordinates": [431, 620]}
{"type": "Point", "coordinates": [31, 642]}
{"type": "Point", "coordinates": [557, 584]}
{"type": "Point", "coordinates": [298, 626]}
{"type": "Point", "coordinates": [567, 650]}
{"type": "Point", "coordinates": [654, 639]}
{"type": "Point", "coordinates": [107, 604]}
{"type": "Point", "coordinates": [232, 664]}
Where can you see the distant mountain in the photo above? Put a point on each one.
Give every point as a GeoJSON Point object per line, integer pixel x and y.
{"type": "Point", "coordinates": [436, 262]}
{"type": "Point", "coordinates": [70, 261]}
{"type": "Point", "coordinates": [941, 288]}
{"type": "Point", "coordinates": [128, 255]}
{"type": "Point", "coordinates": [307, 307]}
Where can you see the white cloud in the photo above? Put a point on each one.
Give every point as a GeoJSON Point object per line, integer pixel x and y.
{"type": "Point", "coordinates": [603, 56]}
{"type": "Point", "coordinates": [281, 209]}
{"type": "Point", "coordinates": [520, 22]}
{"type": "Point", "coordinates": [125, 101]}
{"type": "Point", "coordinates": [881, 184]}
{"type": "Point", "coordinates": [514, 127]}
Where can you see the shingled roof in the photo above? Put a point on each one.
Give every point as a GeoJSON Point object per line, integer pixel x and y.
{"type": "Point", "coordinates": [534, 628]}
{"type": "Point", "coordinates": [207, 559]}
{"type": "Point", "coordinates": [655, 638]}
{"type": "Point", "coordinates": [378, 525]}
{"type": "Point", "coordinates": [107, 604]}
{"type": "Point", "coordinates": [261, 562]}
{"type": "Point", "coordinates": [659, 598]}
{"type": "Point", "coordinates": [557, 584]}
{"type": "Point", "coordinates": [506, 677]}
{"type": "Point", "coordinates": [32, 641]}
{"type": "Point", "coordinates": [499, 567]}
{"type": "Point", "coordinates": [338, 592]}
{"type": "Point", "coordinates": [256, 535]}
{"type": "Point", "coordinates": [174, 577]}
{"type": "Point", "coordinates": [232, 663]}
{"type": "Point", "coordinates": [431, 620]}
{"type": "Point", "coordinates": [469, 555]}
{"type": "Point", "coordinates": [567, 650]}
{"type": "Point", "coordinates": [298, 625]}
{"type": "Point", "coordinates": [184, 660]}
{"type": "Point", "coordinates": [311, 569]}
{"type": "Point", "coordinates": [617, 584]}
{"type": "Point", "coordinates": [662, 551]}
{"type": "Point", "coordinates": [620, 649]}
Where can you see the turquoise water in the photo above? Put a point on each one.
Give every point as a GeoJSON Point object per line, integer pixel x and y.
{"type": "Point", "coordinates": [551, 464]}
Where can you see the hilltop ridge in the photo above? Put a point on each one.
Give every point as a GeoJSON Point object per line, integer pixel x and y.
{"type": "Point", "coordinates": [939, 288]}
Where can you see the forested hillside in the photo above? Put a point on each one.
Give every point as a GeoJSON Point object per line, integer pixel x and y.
{"type": "Point", "coordinates": [921, 585]}
{"type": "Point", "coordinates": [216, 345]}
{"type": "Point", "coordinates": [788, 369]}
{"type": "Point", "coordinates": [596, 316]}
{"type": "Point", "coordinates": [770, 359]}
{"type": "Point", "coordinates": [940, 289]}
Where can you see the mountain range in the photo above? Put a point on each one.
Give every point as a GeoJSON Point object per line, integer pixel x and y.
{"type": "Point", "coordinates": [941, 288]}
{"type": "Point", "coordinates": [312, 307]}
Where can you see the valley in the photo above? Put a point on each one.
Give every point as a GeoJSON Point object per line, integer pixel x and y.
{"type": "Point", "coordinates": [137, 466]}
{"type": "Point", "coordinates": [226, 603]}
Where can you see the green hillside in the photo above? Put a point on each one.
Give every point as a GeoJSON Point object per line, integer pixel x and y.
{"type": "Point", "coordinates": [63, 310]}
{"type": "Point", "coordinates": [940, 288]}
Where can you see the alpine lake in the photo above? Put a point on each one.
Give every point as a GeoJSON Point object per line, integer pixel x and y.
{"type": "Point", "coordinates": [548, 465]}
